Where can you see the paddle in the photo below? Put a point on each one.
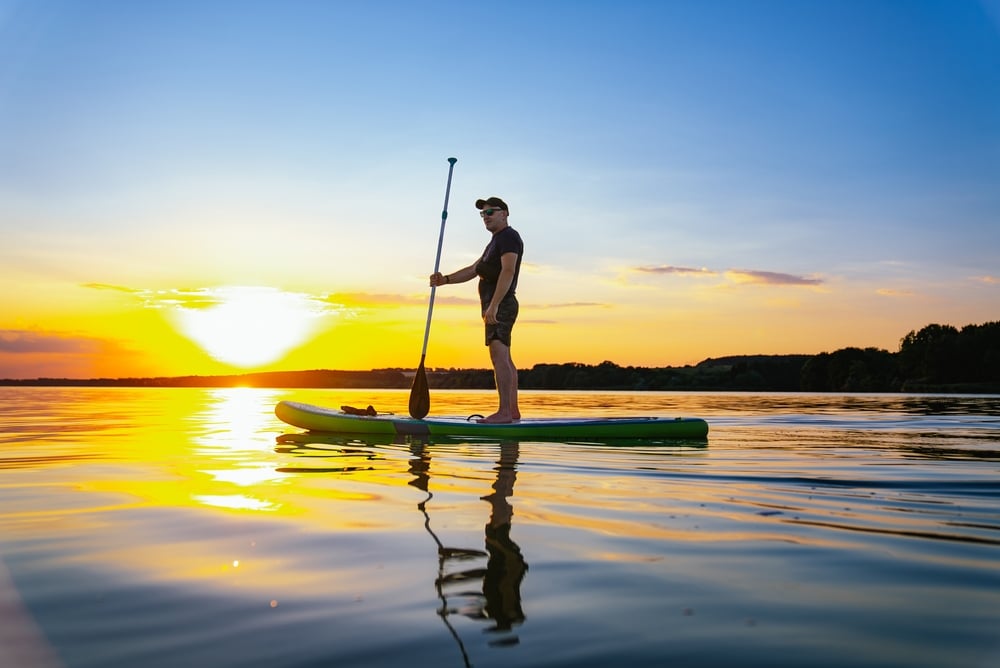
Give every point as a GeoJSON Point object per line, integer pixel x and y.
{"type": "Point", "coordinates": [420, 394]}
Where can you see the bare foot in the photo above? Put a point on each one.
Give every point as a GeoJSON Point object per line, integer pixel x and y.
{"type": "Point", "coordinates": [496, 418]}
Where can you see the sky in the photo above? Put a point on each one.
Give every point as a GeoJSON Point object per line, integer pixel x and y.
{"type": "Point", "coordinates": [207, 187]}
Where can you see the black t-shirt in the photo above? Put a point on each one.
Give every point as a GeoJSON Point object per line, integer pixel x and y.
{"type": "Point", "coordinates": [488, 268]}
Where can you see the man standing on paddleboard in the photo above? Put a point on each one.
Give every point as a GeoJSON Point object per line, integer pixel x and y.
{"type": "Point", "coordinates": [497, 269]}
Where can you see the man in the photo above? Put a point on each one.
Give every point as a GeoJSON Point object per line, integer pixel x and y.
{"type": "Point", "coordinates": [497, 269]}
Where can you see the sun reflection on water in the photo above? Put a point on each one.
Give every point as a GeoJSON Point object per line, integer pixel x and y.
{"type": "Point", "coordinates": [235, 502]}
{"type": "Point", "coordinates": [236, 419]}
{"type": "Point", "coordinates": [236, 429]}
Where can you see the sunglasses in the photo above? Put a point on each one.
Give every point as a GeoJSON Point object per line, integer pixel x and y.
{"type": "Point", "coordinates": [489, 212]}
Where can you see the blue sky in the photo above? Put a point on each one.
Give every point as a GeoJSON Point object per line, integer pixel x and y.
{"type": "Point", "coordinates": [792, 176]}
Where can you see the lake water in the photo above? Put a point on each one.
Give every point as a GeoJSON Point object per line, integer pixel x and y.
{"type": "Point", "coordinates": [175, 527]}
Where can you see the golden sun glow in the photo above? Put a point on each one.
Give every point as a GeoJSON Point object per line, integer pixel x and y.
{"type": "Point", "coordinates": [246, 326]}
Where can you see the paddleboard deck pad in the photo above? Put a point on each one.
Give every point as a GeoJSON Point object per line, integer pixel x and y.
{"type": "Point", "coordinates": [317, 418]}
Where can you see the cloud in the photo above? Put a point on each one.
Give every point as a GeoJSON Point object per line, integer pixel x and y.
{"type": "Point", "coordinates": [741, 276]}
{"type": "Point", "coordinates": [373, 299]}
{"type": "Point", "coordinates": [106, 286]}
{"type": "Point", "coordinates": [575, 305]}
{"type": "Point", "coordinates": [178, 297]}
{"type": "Point", "coordinates": [989, 280]}
{"type": "Point", "coordinates": [52, 354]}
{"type": "Point", "coordinates": [892, 292]}
{"type": "Point", "coordinates": [679, 271]}
{"type": "Point", "coordinates": [199, 298]}
{"type": "Point", "coordinates": [769, 278]}
{"type": "Point", "coordinates": [19, 341]}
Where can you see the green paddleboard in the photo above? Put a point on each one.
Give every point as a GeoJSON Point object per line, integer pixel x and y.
{"type": "Point", "coordinates": [317, 418]}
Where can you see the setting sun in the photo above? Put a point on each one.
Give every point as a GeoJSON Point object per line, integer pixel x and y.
{"type": "Point", "coordinates": [246, 326]}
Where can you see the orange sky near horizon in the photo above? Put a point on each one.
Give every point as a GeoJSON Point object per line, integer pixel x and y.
{"type": "Point", "coordinates": [115, 332]}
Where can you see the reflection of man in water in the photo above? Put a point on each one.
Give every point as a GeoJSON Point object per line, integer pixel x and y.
{"type": "Point", "coordinates": [505, 567]}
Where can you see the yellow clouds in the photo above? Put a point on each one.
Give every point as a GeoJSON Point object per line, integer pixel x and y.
{"type": "Point", "coordinates": [365, 300]}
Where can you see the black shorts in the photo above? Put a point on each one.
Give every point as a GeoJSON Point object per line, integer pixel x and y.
{"type": "Point", "coordinates": [506, 315]}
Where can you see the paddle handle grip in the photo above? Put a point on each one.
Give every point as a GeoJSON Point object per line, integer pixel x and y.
{"type": "Point", "coordinates": [444, 216]}
{"type": "Point", "coordinates": [437, 257]}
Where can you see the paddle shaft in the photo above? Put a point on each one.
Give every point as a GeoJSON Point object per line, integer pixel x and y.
{"type": "Point", "coordinates": [437, 259]}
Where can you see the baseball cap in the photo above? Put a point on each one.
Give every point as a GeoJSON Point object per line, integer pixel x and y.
{"type": "Point", "coordinates": [492, 201]}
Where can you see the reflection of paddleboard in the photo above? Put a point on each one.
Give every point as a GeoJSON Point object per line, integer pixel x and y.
{"type": "Point", "coordinates": [316, 418]}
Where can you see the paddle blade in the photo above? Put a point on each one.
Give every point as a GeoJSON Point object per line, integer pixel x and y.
{"type": "Point", "coordinates": [420, 395]}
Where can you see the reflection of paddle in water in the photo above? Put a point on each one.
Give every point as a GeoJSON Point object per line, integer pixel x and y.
{"type": "Point", "coordinates": [499, 601]}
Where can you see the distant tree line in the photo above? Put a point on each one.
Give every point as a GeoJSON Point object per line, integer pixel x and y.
{"type": "Point", "coordinates": [938, 358]}
{"type": "Point", "coordinates": [320, 378]}
{"type": "Point", "coordinates": [757, 372]}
